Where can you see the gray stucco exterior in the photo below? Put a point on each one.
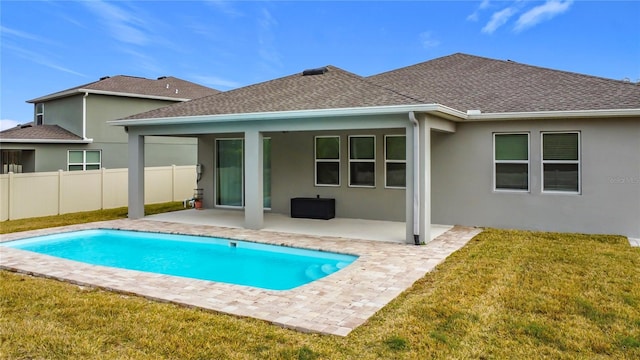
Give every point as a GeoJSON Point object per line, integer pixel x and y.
{"type": "Point", "coordinates": [609, 202]}
{"type": "Point", "coordinates": [450, 109]}
{"type": "Point", "coordinates": [67, 112]}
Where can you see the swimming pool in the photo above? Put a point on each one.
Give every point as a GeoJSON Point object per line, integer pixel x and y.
{"type": "Point", "coordinates": [206, 258]}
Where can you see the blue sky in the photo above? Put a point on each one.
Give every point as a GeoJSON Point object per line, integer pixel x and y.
{"type": "Point", "coordinates": [47, 46]}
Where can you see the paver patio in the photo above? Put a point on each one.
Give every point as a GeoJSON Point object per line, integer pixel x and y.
{"type": "Point", "coordinates": [335, 304]}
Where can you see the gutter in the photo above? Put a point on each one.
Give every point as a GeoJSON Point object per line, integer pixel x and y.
{"type": "Point", "coordinates": [440, 110]}
{"type": "Point", "coordinates": [45, 141]}
{"type": "Point", "coordinates": [477, 115]}
{"type": "Point", "coordinates": [103, 92]}
{"type": "Point", "coordinates": [416, 177]}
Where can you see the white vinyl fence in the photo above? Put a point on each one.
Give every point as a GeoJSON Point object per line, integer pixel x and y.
{"type": "Point", "coordinates": [52, 193]}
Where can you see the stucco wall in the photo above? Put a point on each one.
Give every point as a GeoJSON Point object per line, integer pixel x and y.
{"type": "Point", "coordinates": [112, 140]}
{"type": "Point", "coordinates": [462, 179]}
{"type": "Point", "coordinates": [65, 112]}
{"type": "Point", "coordinates": [292, 170]}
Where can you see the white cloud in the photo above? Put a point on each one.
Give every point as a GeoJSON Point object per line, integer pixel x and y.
{"type": "Point", "coordinates": [543, 12]}
{"type": "Point", "coordinates": [266, 39]}
{"type": "Point", "coordinates": [498, 19]}
{"type": "Point", "coordinates": [40, 58]}
{"type": "Point", "coordinates": [427, 40]}
{"type": "Point", "coordinates": [124, 26]}
{"type": "Point", "coordinates": [8, 124]}
{"type": "Point", "coordinates": [475, 15]}
{"type": "Point", "coordinates": [23, 35]}
{"type": "Point", "coordinates": [215, 82]}
{"type": "Point", "coordinates": [225, 7]}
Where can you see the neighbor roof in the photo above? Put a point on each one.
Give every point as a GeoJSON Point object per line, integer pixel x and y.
{"type": "Point", "coordinates": [168, 87]}
{"type": "Point", "coordinates": [466, 82]}
{"type": "Point", "coordinates": [27, 132]}
{"type": "Point", "coordinates": [329, 88]}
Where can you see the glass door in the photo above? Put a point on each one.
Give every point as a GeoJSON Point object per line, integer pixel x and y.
{"type": "Point", "coordinates": [230, 172]}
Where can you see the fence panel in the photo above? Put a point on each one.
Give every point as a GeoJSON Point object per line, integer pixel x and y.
{"type": "Point", "coordinates": [4, 196]}
{"type": "Point", "coordinates": [80, 191]}
{"type": "Point", "coordinates": [115, 191]}
{"type": "Point", "coordinates": [34, 194]}
{"type": "Point", "coordinates": [40, 194]}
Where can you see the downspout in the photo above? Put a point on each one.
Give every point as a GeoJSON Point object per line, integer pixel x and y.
{"type": "Point", "coordinates": [416, 177]}
{"type": "Point", "coordinates": [84, 115]}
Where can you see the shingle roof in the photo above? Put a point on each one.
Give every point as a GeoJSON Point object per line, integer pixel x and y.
{"type": "Point", "coordinates": [332, 89]}
{"type": "Point", "coordinates": [466, 82]}
{"type": "Point", "coordinates": [462, 82]}
{"type": "Point", "coordinates": [169, 86]}
{"type": "Point", "coordinates": [40, 132]}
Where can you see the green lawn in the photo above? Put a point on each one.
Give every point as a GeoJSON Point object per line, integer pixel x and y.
{"type": "Point", "coordinates": [507, 294]}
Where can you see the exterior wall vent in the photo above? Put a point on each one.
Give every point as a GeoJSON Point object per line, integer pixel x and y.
{"type": "Point", "coordinates": [316, 71]}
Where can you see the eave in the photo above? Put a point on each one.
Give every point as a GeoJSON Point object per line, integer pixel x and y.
{"type": "Point", "coordinates": [45, 141]}
{"type": "Point", "coordinates": [436, 109]}
{"type": "Point", "coordinates": [102, 92]}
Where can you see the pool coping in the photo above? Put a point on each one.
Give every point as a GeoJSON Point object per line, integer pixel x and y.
{"type": "Point", "coordinates": [335, 304]}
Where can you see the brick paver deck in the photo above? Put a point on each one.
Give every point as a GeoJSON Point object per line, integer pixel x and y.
{"type": "Point", "coordinates": [335, 304]}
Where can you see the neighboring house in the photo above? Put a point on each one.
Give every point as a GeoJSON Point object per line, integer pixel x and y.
{"type": "Point", "coordinates": [456, 140]}
{"type": "Point", "coordinates": [70, 130]}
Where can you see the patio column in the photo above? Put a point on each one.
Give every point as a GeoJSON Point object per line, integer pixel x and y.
{"type": "Point", "coordinates": [253, 198]}
{"type": "Point", "coordinates": [136, 176]}
{"type": "Point", "coordinates": [410, 189]}
{"type": "Point", "coordinates": [425, 179]}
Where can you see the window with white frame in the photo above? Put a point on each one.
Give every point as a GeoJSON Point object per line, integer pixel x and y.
{"type": "Point", "coordinates": [79, 160]}
{"type": "Point", "coordinates": [39, 113]}
{"type": "Point", "coordinates": [511, 161]}
{"type": "Point", "coordinates": [395, 161]}
{"type": "Point", "coordinates": [561, 162]}
{"type": "Point", "coordinates": [362, 161]}
{"type": "Point", "coordinates": [327, 160]}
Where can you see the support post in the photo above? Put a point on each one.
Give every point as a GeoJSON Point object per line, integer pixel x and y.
{"type": "Point", "coordinates": [253, 180]}
{"type": "Point", "coordinates": [425, 180]}
{"type": "Point", "coordinates": [136, 176]}
{"type": "Point", "coordinates": [410, 190]}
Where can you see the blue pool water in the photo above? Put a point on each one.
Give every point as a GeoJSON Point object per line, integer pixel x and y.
{"type": "Point", "coordinates": [206, 258]}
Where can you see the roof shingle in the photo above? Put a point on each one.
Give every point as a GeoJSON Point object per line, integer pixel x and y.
{"type": "Point", "coordinates": [332, 89]}
{"type": "Point", "coordinates": [168, 86]}
{"type": "Point", "coordinates": [459, 81]}
{"type": "Point", "coordinates": [466, 82]}
{"type": "Point", "coordinates": [40, 132]}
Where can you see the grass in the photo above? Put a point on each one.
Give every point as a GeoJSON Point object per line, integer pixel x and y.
{"type": "Point", "coordinates": [81, 217]}
{"type": "Point", "coordinates": [507, 294]}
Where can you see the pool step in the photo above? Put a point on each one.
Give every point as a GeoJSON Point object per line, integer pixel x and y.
{"type": "Point", "coordinates": [318, 271]}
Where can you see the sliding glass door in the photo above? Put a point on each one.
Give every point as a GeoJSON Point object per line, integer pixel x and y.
{"type": "Point", "coordinates": [230, 172]}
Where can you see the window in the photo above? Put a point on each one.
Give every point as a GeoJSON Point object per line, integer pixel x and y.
{"type": "Point", "coordinates": [511, 161]}
{"type": "Point", "coordinates": [395, 161]}
{"type": "Point", "coordinates": [39, 113]}
{"type": "Point", "coordinates": [79, 160]}
{"type": "Point", "coordinates": [327, 156]}
{"type": "Point", "coordinates": [362, 161]}
{"type": "Point", "coordinates": [561, 162]}
{"type": "Point", "coordinates": [11, 161]}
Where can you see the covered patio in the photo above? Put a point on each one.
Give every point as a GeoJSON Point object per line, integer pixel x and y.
{"type": "Point", "coordinates": [376, 230]}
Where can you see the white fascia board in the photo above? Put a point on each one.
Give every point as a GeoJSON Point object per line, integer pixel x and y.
{"type": "Point", "coordinates": [103, 92]}
{"type": "Point", "coordinates": [45, 141]}
{"type": "Point", "coordinates": [538, 115]}
{"type": "Point", "coordinates": [296, 114]}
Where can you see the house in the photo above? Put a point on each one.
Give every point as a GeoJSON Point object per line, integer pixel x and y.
{"type": "Point", "coordinates": [460, 139]}
{"type": "Point", "coordinates": [70, 130]}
